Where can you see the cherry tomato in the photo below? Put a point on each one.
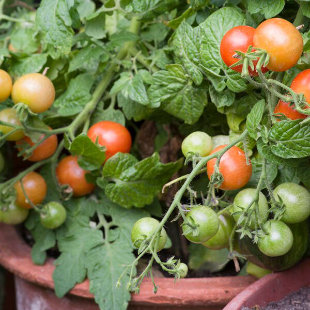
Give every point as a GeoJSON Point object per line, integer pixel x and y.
{"type": "Point", "coordinates": [5, 85]}
{"type": "Point", "coordinates": [256, 271]}
{"type": "Point", "coordinates": [233, 166]}
{"type": "Point", "coordinates": [197, 142]}
{"type": "Point", "coordinates": [278, 239]}
{"type": "Point", "coordinates": [69, 172]}
{"type": "Point", "coordinates": [13, 214]}
{"type": "Point", "coordinates": [244, 198]}
{"type": "Point", "coordinates": [183, 270]}
{"type": "Point", "coordinates": [207, 224]}
{"type": "Point", "coordinates": [44, 150]}
{"type": "Point", "coordinates": [296, 200]}
{"type": "Point", "coordinates": [35, 188]}
{"type": "Point", "coordinates": [220, 140]}
{"type": "Point", "coordinates": [53, 215]}
{"type": "Point", "coordinates": [281, 40]}
{"type": "Point", "coordinates": [221, 239]}
{"type": "Point", "coordinates": [237, 39]}
{"type": "Point", "coordinates": [288, 110]}
{"type": "Point", "coordinates": [35, 90]}
{"type": "Point", "coordinates": [10, 116]}
{"type": "Point", "coordinates": [114, 136]}
{"type": "Point", "coordinates": [145, 228]}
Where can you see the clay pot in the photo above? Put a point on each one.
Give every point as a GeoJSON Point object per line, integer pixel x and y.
{"type": "Point", "coordinates": [34, 285]}
{"type": "Point", "coordinates": [273, 287]}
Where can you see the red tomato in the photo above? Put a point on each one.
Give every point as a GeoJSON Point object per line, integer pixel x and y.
{"type": "Point", "coordinates": [69, 172]}
{"type": "Point", "coordinates": [114, 136]}
{"type": "Point", "coordinates": [44, 150]}
{"type": "Point", "coordinates": [281, 40]}
{"type": "Point", "coordinates": [35, 188]}
{"type": "Point", "coordinates": [288, 110]}
{"type": "Point", "coordinates": [237, 39]}
{"type": "Point", "coordinates": [233, 166]}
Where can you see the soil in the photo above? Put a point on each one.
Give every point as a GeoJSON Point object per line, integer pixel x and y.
{"type": "Point", "coordinates": [299, 300]}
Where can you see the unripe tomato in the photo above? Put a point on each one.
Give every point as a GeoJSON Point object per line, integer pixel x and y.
{"type": "Point", "coordinates": [197, 142]}
{"type": "Point", "coordinates": [10, 116]}
{"type": "Point", "coordinates": [221, 239]}
{"type": "Point", "coordinates": [53, 215]}
{"type": "Point", "coordinates": [296, 200]}
{"type": "Point", "coordinates": [44, 150]}
{"type": "Point", "coordinates": [183, 270]}
{"type": "Point", "coordinates": [281, 40]}
{"type": "Point", "coordinates": [278, 239]}
{"type": "Point", "coordinates": [69, 172]}
{"type": "Point", "coordinates": [233, 166]}
{"type": "Point", "coordinates": [114, 136]}
{"type": "Point", "coordinates": [207, 221]}
{"type": "Point", "coordinates": [5, 85]}
{"type": "Point", "coordinates": [35, 188]}
{"type": "Point", "coordinates": [244, 198]}
{"type": "Point", "coordinates": [13, 214]}
{"type": "Point", "coordinates": [220, 140]}
{"type": "Point", "coordinates": [145, 228]}
{"type": "Point", "coordinates": [34, 89]}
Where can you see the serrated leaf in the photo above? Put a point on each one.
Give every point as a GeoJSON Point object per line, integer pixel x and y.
{"type": "Point", "coordinates": [269, 8]}
{"type": "Point", "coordinates": [44, 238]}
{"type": "Point", "coordinates": [174, 92]}
{"type": "Point", "coordinates": [254, 118]}
{"type": "Point", "coordinates": [73, 100]}
{"type": "Point", "coordinates": [30, 64]}
{"type": "Point", "coordinates": [109, 114]}
{"type": "Point", "coordinates": [186, 44]}
{"type": "Point", "coordinates": [131, 86]}
{"type": "Point", "coordinates": [95, 25]}
{"type": "Point", "coordinates": [54, 21]}
{"type": "Point", "coordinates": [87, 58]}
{"type": "Point", "coordinates": [134, 183]}
{"type": "Point", "coordinates": [290, 139]}
{"type": "Point", "coordinates": [92, 154]}
{"type": "Point", "coordinates": [221, 99]}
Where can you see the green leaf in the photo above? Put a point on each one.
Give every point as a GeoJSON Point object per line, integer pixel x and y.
{"type": "Point", "coordinates": [87, 58]}
{"type": "Point", "coordinates": [76, 96]}
{"type": "Point", "coordinates": [287, 174]}
{"type": "Point", "coordinates": [33, 63]}
{"type": "Point", "coordinates": [44, 238]}
{"type": "Point", "coordinates": [234, 81]}
{"type": "Point", "coordinates": [254, 118]}
{"type": "Point", "coordinates": [133, 183]}
{"type": "Point", "coordinates": [305, 7]}
{"type": "Point", "coordinates": [221, 99]}
{"type": "Point", "coordinates": [269, 8]}
{"type": "Point", "coordinates": [174, 92]}
{"type": "Point", "coordinates": [290, 139]}
{"type": "Point", "coordinates": [92, 155]}
{"type": "Point", "coordinates": [131, 86]}
{"type": "Point", "coordinates": [186, 44]}
{"type": "Point", "coordinates": [54, 21]}
{"type": "Point", "coordinates": [24, 38]}
{"type": "Point", "coordinates": [109, 114]}
{"type": "Point", "coordinates": [95, 25]}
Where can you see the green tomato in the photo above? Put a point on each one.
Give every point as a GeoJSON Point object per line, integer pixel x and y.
{"type": "Point", "coordinates": [220, 140]}
{"type": "Point", "coordinates": [145, 228]}
{"type": "Point", "coordinates": [53, 215]}
{"type": "Point", "coordinates": [296, 200]}
{"type": "Point", "coordinates": [13, 214]}
{"type": "Point", "coordinates": [207, 221]}
{"type": "Point", "coordinates": [197, 142]}
{"type": "Point", "coordinates": [278, 239]}
{"type": "Point", "coordinates": [183, 270]}
{"type": "Point", "coordinates": [256, 271]}
{"type": "Point", "coordinates": [221, 238]}
{"type": "Point", "coordinates": [244, 198]}
{"type": "Point", "coordinates": [10, 116]}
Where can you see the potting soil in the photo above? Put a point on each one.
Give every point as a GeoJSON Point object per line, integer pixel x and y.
{"type": "Point", "coordinates": [299, 300]}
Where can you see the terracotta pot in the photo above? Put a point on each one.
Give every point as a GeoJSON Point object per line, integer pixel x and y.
{"type": "Point", "coordinates": [34, 285]}
{"type": "Point", "coordinates": [273, 287]}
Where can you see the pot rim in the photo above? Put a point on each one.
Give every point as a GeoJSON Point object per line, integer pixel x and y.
{"type": "Point", "coordinates": [15, 255]}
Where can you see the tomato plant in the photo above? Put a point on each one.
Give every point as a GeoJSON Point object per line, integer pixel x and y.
{"type": "Point", "coordinates": [30, 190]}
{"type": "Point", "coordinates": [233, 166]}
{"type": "Point", "coordinates": [70, 173]}
{"type": "Point", "coordinates": [126, 118]}
{"type": "Point", "coordinates": [113, 136]}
